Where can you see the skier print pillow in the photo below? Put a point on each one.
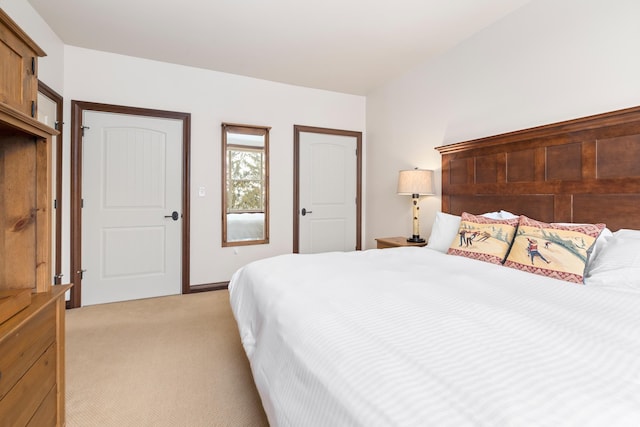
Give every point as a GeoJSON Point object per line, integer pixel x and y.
{"type": "Point", "coordinates": [560, 251]}
{"type": "Point", "coordinates": [483, 238]}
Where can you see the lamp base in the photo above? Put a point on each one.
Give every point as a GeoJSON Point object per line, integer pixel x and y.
{"type": "Point", "coordinates": [415, 239]}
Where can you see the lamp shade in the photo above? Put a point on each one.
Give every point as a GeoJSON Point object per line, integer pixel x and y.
{"type": "Point", "coordinates": [416, 181]}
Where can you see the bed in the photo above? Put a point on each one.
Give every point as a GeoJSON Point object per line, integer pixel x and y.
{"type": "Point", "coordinates": [436, 337]}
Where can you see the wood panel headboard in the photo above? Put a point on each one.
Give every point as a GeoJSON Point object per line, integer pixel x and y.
{"type": "Point", "coordinates": [584, 170]}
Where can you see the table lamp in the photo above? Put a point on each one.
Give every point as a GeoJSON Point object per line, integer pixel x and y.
{"type": "Point", "coordinates": [415, 182]}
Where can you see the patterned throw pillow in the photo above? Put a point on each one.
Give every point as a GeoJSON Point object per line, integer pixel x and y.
{"type": "Point", "coordinates": [483, 238]}
{"type": "Point", "coordinates": [554, 250]}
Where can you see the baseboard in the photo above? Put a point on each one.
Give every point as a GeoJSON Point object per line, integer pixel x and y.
{"type": "Point", "coordinates": [208, 287]}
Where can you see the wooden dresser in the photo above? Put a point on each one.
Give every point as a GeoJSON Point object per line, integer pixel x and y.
{"type": "Point", "coordinates": [31, 328]}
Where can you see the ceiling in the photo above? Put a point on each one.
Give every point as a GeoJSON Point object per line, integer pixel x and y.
{"type": "Point", "coordinates": [350, 46]}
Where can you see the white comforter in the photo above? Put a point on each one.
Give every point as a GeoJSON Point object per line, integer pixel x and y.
{"type": "Point", "coordinates": [414, 337]}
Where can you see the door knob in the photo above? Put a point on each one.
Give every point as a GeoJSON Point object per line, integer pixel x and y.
{"type": "Point", "coordinates": [174, 216]}
{"type": "Point", "coordinates": [304, 212]}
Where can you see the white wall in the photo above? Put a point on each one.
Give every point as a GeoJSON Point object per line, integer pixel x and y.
{"type": "Point", "coordinates": [547, 62]}
{"type": "Point", "coordinates": [213, 98]}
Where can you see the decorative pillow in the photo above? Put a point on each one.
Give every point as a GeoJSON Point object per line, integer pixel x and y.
{"type": "Point", "coordinates": [601, 242]}
{"type": "Point", "coordinates": [445, 229]}
{"type": "Point", "coordinates": [483, 238]}
{"type": "Point", "coordinates": [553, 250]}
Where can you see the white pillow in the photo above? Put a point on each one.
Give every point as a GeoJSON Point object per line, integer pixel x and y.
{"type": "Point", "coordinates": [626, 233]}
{"type": "Point", "coordinates": [618, 263]}
{"type": "Point", "coordinates": [507, 215]}
{"type": "Point", "coordinates": [599, 246]}
{"type": "Point", "coordinates": [492, 215]}
{"type": "Point", "coordinates": [444, 230]}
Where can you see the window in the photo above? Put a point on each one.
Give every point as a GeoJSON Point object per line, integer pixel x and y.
{"type": "Point", "coordinates": [245, 183]}
{"type": "Point", "coordinates": [245, 192]}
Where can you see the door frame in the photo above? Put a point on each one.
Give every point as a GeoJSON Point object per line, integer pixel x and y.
{"type": "Point", "coordinates": [57, 180]}
{"type": "Point", "coordinates": [77, 110]}
{"type": "Point", "coordinates": [297, 129]}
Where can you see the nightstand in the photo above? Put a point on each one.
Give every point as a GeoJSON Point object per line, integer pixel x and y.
{"type": "Point", "coordinates": [395, 242]}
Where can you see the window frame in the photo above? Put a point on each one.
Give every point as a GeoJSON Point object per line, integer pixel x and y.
{"type": "Point", "coordinates": [251, 130]}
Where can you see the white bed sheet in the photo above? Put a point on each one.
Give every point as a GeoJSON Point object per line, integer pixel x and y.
{"type": "Point", "coordinates": [414, 337]}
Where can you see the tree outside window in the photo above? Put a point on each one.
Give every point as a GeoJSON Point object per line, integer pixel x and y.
{"type": "Point", "coordinates": [245, 184]}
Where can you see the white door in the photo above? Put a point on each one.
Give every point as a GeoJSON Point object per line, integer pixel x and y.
{"type": "Point", "coordinates": [131, 185]}
{"type": "Point", "coordinates": [48, 114]}
{"type": "Point", "coordinates": [328, 191]}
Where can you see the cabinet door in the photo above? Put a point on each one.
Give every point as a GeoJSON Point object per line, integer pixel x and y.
{"type": "Point", "coordinates": [18, 68]}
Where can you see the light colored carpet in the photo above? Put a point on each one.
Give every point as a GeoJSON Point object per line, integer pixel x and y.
{"type": "Point", "coordinates": [169, 361]}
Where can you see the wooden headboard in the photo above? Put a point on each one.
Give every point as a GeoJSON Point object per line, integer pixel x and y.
{"type": "Point", "coordinates": [584, 170]}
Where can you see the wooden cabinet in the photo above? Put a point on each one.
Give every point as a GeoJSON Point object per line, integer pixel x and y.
{"type": "Point", "coordinates": [25, 193]}
{"type": "Point", "coordinates": [32, 335]}
{"type": "Point", "coordinates": [19, 58]}
{"type": "Point", "coordinates": [395, 242]}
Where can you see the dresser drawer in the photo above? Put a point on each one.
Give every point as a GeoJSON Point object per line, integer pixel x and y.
{"type": "Point", "coordinates": [47, 413]}
{"type": "Point", "coordinates": [20, 404]}
{"type": "Point", "coordinates": [24, 345]}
